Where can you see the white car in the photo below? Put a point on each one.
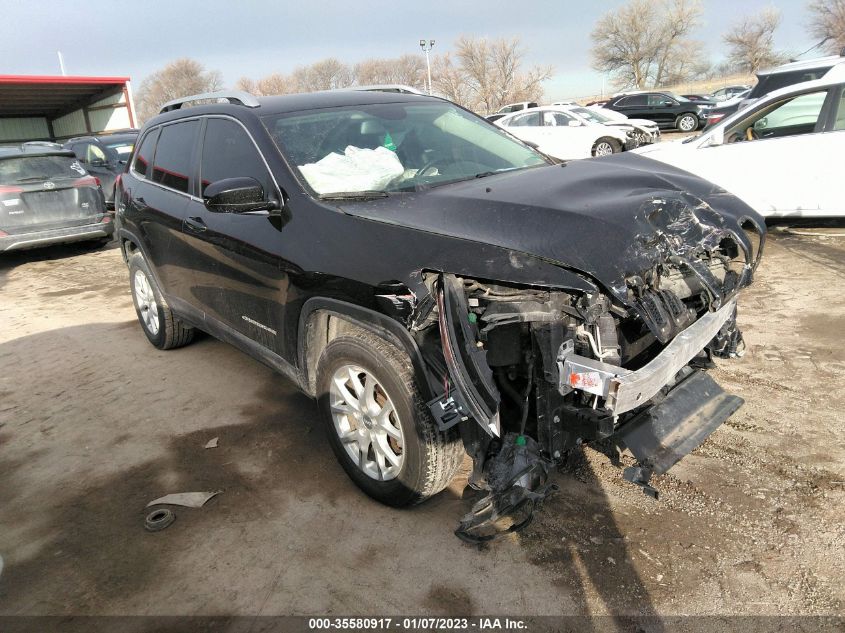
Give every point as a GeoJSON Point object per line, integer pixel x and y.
{"type": "Point", "coordinates": [562, 135]}
{"type": "Point", "coordinates": [645, 132]}
{"type": "Point", "coordinates": [782, 155]}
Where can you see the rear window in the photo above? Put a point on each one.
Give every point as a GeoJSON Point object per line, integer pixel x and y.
{"type": "Point", "coordinates": [145, 154]}
{"type": "Point", "coordinates": [173, 155]}
{"type": "Point", "coordinates": [776, 81]}
{"type": "Point", "coordinates": [37, 168]}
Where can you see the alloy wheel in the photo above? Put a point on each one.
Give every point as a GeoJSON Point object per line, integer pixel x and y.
{"type": "Point", "coordinates": [366, 422]}
{"type": "Point", "coordinates": [146, 301]}
{"type": "Point", "coordinates": [604, 149]}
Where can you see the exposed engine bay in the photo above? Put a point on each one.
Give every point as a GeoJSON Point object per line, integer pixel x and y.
{"type": "Point", "coordinates": [531, 373]}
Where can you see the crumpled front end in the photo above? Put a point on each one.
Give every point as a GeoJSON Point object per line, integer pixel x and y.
{"type": "Point", "coordinates": [564, 368]}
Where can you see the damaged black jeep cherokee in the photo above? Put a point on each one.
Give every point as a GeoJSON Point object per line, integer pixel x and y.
{"type": "Point", "coordinates": [439, 286]}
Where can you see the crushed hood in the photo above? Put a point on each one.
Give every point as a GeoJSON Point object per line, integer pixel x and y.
{"type": "Point", "coordinates": [608, 218]}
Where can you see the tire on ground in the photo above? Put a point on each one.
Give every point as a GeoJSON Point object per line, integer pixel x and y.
{"type": "Point", "coordinates": [687, 115]}
{"type": "Point", "coordinates": [431, 457]}
{"type": "Point", "coordinates": [615, 145]}
{"type": "Point", "coordinates": [172, 333]}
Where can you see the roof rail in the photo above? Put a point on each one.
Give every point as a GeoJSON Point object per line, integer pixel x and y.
{"type": "Point", "coordinates": [238, 97]}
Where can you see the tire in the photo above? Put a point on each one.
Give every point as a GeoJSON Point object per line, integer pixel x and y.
{"type": "Point", "coordinates": [687, 122]}
{"type": "Point", "coordinates": [427, 458]}
{"type": "Point", "coordinates": [606, 146]}
{"type": "Point", "coordinates": [163, 329]}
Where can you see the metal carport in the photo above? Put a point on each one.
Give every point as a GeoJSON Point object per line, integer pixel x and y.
{"type": "Point", "coordinates": [59, 107]}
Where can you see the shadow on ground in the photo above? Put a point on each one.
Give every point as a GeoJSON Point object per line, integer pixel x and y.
{"type": "Point", "coordinates": [289, 533]}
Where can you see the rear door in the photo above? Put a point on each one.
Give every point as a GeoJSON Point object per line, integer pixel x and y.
{"type": "Point", "coordinates": [237, 277]}
{"type": "Point", "coordinates": [159, 200]}
{"type": "Point", "coordinates": [46, 191]}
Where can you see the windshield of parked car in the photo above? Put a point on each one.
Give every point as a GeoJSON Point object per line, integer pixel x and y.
{"type": "Point", "coordinates": [36, 168]}
{"type": "Point", "coordinates": [591, 115]}
{"type": "Point", "coordinates": [122, 149]}
{"type": "Point", "coordinates": [390, 147]}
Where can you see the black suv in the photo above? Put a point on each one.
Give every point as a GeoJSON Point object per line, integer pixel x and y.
{"type": "Point", "coordinates": [104, 156]}
{"type": "Point", "coordinates": [666, 109]}
{"type": "Point", "coordinates": [440, 286]}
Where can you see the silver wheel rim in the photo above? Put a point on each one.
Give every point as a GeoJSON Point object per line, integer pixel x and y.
{"type": "Point", "coordinates": [604, 149]}
{"type": "Point", "coordinates": [366, 422]}
{"type": "Point", "coordinates": [145, 300]}
{"type": "Point", "coordinates": [687, 123]}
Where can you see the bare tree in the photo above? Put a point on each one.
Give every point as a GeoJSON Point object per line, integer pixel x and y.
{"type": "Point", "coordinates": [327, 74]}
{"type": "Point", "coordinates": [642, 42]}
{"type": "Point", "coordinates": [751, 41]}
{"type": "Point", "coordinates": [408, 70]}
{"type": "Point", "coordinates": [486, 74]}
{"type": "Point", "coordinates": [827, 22]}
{"type": "Point", "coordinates": [179, 78]}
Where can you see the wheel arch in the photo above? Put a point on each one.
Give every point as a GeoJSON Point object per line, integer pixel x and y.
{"type": "Point", "coordinates": [324, 319]}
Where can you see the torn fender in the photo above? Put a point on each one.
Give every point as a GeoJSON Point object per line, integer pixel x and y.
{"type": "Point", "coordinates": [470, 391]}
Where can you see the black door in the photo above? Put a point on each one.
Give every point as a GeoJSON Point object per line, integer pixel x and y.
{"type": "Point", "coordinates": [237, 278]}
{"type": "Point", "coordinates": [160, 200]}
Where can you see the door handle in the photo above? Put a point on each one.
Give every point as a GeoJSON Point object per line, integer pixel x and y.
{"type": "Point", "coordinates": [195, 225]}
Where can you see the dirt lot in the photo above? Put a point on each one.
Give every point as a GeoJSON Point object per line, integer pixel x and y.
{"type": "Point", "coordinates": [94, 423]}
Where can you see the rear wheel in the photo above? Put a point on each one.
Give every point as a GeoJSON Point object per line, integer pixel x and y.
{"type": "Point", "coordinates": [687, 122]}
{"type": "Point", "coordinates": [163, 329]}
{"type": "Point", "coordinates": [606, 146]}
{"type": "Point", "coordinates": [378, 425]}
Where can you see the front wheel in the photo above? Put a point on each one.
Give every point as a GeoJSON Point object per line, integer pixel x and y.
{"type": "Point", "coordinates": [606, 147]}
{"type": "Point", "coordinates": [163, 329]}
{"type": "Point", "coordinates": [687, 123]}
{"type": "Point", "coordinates": [379, 426]}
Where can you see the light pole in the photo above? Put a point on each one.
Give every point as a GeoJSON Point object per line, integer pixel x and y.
{"type": "Point", "coordinates": [427, 50]}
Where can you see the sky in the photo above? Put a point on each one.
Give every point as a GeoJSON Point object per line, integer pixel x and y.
{"type": "Point", "coordinates": [254, 38]}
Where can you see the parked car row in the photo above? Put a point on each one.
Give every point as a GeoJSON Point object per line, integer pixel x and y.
{"type": "Point", "coordinates": [780, 154]}
{"type": "Point", "coordinates": [774, 79]}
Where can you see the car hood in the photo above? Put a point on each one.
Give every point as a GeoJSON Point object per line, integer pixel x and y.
{"type": "Point", "coordinates": [607, 218]}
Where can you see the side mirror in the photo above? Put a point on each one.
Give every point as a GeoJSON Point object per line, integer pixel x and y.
{"type": "Point", "coordinates": [97, 162]}
{"type": "Point", "coordinates": [574, 124]}
{"type": "Point", "coordinates": [717, 137]}
{"type": "Point", "coordinates": [668, 104]}
{"type": "Point", "coordinates": [237, 195]}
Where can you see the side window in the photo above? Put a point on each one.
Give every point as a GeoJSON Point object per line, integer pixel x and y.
{"type": "Point", "coordinates": [172, 166]}
{"type": "Point", "coordinates": [839, 120]}
{"type": "Point", "coordinates": [789, 117]}
{"type": "Point", "coordinates": [526, 120]}
{"type": "Point", "coordinates": [144, 155]}
{"type": "Point", "coordinates": [558, 119]}
{"type": "Point", "coordinates": [94, 154]}
{"type": "Point", "coordinates": [658, 100]}
{"type": "Point", "coordinates": [228, 152]}
{"type": "Point", "coordinates": [634, 100]}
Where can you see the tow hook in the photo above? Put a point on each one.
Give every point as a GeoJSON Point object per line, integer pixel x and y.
{"type": "Point", "coordinates": [515, 479]}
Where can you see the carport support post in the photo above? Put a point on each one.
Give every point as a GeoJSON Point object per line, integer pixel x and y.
{"type": "Point", "coordinates": [87, 119]}
{"type": "Point", "coordinates": [50, 130]}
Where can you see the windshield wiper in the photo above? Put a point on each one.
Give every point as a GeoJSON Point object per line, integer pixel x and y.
{"type": "Point", "coordinates": [352, 195]}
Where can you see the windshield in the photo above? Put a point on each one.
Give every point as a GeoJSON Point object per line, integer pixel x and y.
{"type": "Point", "coordinates": [36, 168]}
{"type": "Point", "coordinates": [382, 148]}
{"type": "Point", "coordinates": [122, 149]}
{"type": "Point", "coordinates": [591, 115]}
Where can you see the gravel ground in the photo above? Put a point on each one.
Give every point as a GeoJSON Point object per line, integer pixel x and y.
{"type": "Point", "coordinates": [94, 423]}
